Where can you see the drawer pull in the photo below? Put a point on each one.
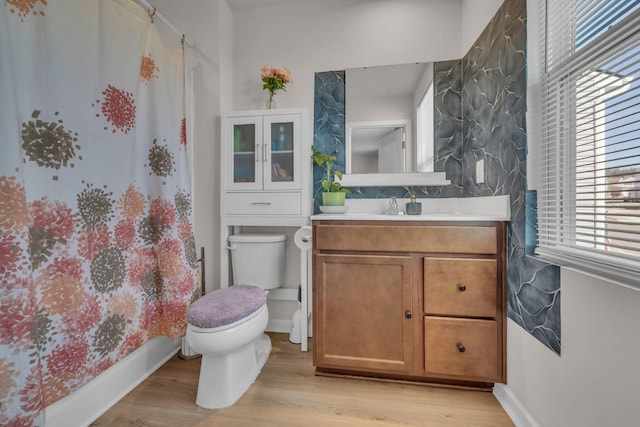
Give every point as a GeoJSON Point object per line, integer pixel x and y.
{"type": "Point", "coordinates": [461, 348]}
{"type": "Point", "coordinates": [462, 287]}
{"type": "Point", "coordinates": [261, 203]}
{"type": "Point", "coordinates": [407, 314]}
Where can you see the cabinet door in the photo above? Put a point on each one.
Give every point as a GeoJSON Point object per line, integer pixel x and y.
{"type": "Point", "coordinates": [281, 152]}
{"type": "Point", "coordinates": [244, 153]}
{"type": "Point", "coordinates": [362, 313]}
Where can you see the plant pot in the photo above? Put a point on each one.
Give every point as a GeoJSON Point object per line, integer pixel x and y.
{"type": "Point", "coordinates": [333, 198]}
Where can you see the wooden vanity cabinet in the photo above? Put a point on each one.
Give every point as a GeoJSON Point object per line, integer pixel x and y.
{"type": "Point", "coordinates": [409, 300]}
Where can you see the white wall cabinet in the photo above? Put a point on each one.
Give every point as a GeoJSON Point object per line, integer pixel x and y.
{"type": "Point", "coordinates": [262, 166]}
{"type": "Point", "coordinates": [265, 169]}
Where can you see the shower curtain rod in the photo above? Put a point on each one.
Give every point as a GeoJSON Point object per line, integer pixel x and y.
{"type": "Point", "coordinates": [153, 12]}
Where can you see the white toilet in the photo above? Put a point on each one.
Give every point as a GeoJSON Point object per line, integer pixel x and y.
{"type": "Point", "coordinates": [227, 326]}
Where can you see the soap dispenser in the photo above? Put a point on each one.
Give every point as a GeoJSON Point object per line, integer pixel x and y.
{"type": "Point", "coordinates": [413, 207]}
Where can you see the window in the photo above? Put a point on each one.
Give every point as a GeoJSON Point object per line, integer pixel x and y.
{"type": "Point", "coordinates": [586, 168]}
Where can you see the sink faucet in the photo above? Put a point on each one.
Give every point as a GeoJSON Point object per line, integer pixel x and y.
{"type": "Point", "coordinates": [393, 208]}
{"type": "Point", "coordinates": [393, 205]}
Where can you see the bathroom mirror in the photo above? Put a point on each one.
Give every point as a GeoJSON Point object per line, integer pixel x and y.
{"type": "Point", "coordinates": [389, 126]}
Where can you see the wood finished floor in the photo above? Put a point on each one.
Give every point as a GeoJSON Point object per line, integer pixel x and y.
{"type": "Point", "coordinates": [287, 393]}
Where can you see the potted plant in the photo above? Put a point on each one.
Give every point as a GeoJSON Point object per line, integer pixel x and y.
{"type": "Point", "coordinates": [333, 194]}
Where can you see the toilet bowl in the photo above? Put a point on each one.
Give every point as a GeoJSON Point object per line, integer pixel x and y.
{"type": "Point", "coordinates": [232, 342]}
{"type": "Point", "coordinates": [227, 326]}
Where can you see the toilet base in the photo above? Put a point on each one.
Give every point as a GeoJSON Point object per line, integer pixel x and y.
{"type": "Point", "coordinates": [263, 350]}
{"type": "Point", "coordinates": [225, 378]}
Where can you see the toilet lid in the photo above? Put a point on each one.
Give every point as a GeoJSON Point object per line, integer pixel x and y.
{"type": "Point", "coordinates": [225, 306]}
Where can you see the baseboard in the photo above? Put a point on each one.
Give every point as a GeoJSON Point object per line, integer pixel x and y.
{"type": "Point", "coordinates": [513, 407]}
{"type": "Point", "coordinates": [86, 404]}
{"type": "Point", "coordinates": [279, 325]}
{"type": "Point", "coordinates": [283, 294]}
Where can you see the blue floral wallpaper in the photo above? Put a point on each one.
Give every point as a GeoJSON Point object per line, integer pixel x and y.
{"type": "Point", "coordinates": [480, 108]}
{"type": "Point", "coordinates": [494, 108]}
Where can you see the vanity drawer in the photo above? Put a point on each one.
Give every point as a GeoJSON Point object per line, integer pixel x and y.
{"type": "Point", "coordinates": [460, 287]}
{"type": "Point", "coordinates": [262, 204]}
{"type": "Point", "coordinates": [402, 238]}
{"type": "Point", "coordinates": [461, 347]}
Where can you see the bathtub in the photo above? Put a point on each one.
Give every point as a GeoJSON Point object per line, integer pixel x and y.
{"type": "Point", "coordinates": [86, 404]}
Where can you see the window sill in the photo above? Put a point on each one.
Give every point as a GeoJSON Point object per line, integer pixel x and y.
{"type": "Point", "coordinates": [612, 268]}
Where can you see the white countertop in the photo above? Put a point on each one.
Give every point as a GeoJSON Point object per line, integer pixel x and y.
{"type": "Point", "coordinates": [491, 208]}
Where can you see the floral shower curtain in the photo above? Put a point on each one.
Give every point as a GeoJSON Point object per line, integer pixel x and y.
{"type": "Point", "coordinates": [97, 250]}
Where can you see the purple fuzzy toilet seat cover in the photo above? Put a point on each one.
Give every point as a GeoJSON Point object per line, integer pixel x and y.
{"type": "Point", "coordinates": [225, 306]}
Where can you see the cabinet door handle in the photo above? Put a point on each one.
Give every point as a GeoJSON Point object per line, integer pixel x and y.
{"type": "Point", "coordinates": [461, 348]}
{"type": "Point", "coordinates": [462, 287]}
{"type": "Point", "coordinates": [407, 314]}
{"type": "Point", "coordinates": [264, 153]}
{"type": "Point", "coordinates": [257, 153]}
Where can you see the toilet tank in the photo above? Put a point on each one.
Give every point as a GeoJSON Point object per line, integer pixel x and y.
{"type": "Point", "coordinates": [258, 259]}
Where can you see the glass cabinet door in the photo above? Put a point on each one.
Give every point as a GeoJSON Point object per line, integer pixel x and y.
{"type": "Point", "coordinates": [245, 170]}
{"type": "Point", "coordinates": [265, 152]}
{"type": "Point", "coordinates": [282, 154]}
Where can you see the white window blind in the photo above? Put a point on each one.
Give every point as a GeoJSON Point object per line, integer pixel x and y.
{"type": "Point", "coordinates": [588, 168]}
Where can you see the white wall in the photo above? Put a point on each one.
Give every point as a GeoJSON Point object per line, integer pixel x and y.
{"type": "Point", "coordinates": [596, 380]}
{"type": "Point", "coordinates": [334, 35]}
{"type": "Point", "coordinates": [475, 17]}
